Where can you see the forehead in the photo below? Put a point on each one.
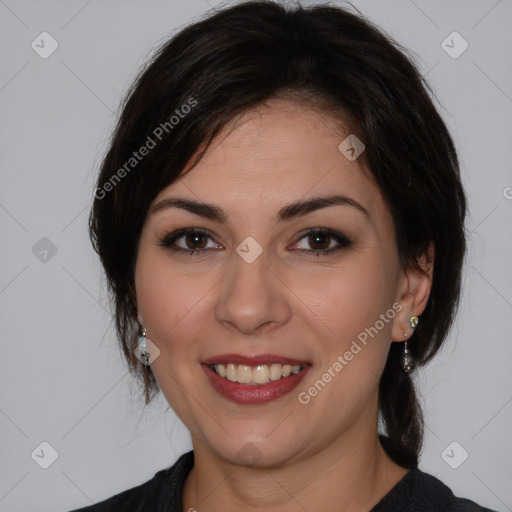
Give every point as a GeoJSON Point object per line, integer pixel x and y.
{"type": "Point", "coordinates": [282, 138]}
{"type": "Point", "coordinates": [275, 154]}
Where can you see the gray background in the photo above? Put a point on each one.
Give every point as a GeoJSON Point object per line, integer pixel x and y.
{"type": "Point", "coordinates": [62, 379]}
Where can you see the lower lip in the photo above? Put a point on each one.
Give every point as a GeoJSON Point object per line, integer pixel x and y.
{"type": "Point", "coordinates": [254, 394]}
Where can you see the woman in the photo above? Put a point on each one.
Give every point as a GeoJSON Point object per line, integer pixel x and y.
{"type": "Point", "coordinates": [280, 217]}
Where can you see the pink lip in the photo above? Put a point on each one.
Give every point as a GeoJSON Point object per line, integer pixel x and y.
{"type": "Point", "coordinates": [254, 360]}
{"type": "Point", "coordinates": [253, 394]}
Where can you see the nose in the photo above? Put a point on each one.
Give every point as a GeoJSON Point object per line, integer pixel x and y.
{"type": "Point", "coordinates": [254, 298]}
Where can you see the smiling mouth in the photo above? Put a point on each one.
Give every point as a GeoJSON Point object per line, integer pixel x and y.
{"type": "Point", "coordinates": [255, 375]}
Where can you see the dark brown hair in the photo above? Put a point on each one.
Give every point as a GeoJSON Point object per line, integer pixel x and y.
{"type": "Point", "coordinates": [339, 62]}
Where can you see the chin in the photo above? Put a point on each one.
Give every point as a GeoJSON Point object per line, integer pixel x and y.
{"type": "Point", "coordinates": [256, 451]}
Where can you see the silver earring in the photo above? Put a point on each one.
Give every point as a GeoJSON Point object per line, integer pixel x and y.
{"type": "Point", "coordinates": [407, 360]}
{"type": "Point", "coordinates": [144, 354]}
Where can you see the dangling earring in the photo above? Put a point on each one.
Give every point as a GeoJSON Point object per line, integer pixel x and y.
{"type": "Point", "coordinates": [144, 354]}
{"type": "Point", "coordinates": [407, 359]}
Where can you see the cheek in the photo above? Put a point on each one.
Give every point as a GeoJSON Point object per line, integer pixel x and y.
{"type": "Point", "coordinates": [170, 314]}
{"type": "Point", "coordinates": [169, 301]}
{"type": "Point", "coordinates": [354, 353]}
{"type": "Point", "coordinates": [173, 312]}
{"type": "Point", "coordinates": [352, 297]}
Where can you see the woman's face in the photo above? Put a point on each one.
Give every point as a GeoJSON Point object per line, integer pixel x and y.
{"type": "Point", "coordinates": [258, 299]}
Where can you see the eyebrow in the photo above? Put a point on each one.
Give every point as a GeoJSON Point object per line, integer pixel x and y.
{"type": "Point", "coordinates": [288, 212]}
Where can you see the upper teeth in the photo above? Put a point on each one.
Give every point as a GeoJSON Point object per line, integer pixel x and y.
{"type": "Point", "coordinates": [261, 374]}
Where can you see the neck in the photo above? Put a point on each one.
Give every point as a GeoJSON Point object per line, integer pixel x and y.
{"type": "Point", "coordinates": [353, 470]}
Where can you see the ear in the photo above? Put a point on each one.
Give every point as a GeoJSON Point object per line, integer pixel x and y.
{"type": "Point", "coordinates": [413, 293]}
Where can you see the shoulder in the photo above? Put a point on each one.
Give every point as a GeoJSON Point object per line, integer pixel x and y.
{"type": "Point", "coordinates": [422, 492]}
{"type": "Point", "coordinates": [163, 490]}
{"type": "Point", "coordinates": [452, 503]}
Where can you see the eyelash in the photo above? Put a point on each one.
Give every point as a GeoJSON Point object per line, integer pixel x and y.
{"type": "Point", "coordinates": [170, 239]}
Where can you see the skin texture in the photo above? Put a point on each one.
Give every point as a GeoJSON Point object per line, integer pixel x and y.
{"type": "Point", "coordinates": [289, 302]}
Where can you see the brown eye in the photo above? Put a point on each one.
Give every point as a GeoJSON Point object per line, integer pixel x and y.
{"type": "Point", "coordinates": [323, 241]}
{"type": "Point", "coordinates": [193, 239]}
{"type": "Point", "coordinates": [319, 242]}
{"type": "Point", "coordinates": [188, 241]}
